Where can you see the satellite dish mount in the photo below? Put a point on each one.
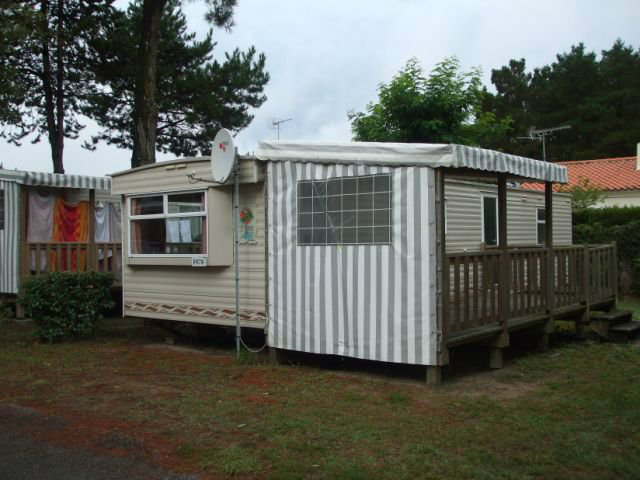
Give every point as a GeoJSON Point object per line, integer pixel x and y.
{"type": "Point", "coordinates": [224, 163]}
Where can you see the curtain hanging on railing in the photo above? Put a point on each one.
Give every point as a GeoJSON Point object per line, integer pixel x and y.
{"type": "Point", "coordinates": [40, 224]}
{"type": "Point", "coordinates": [70, 224]}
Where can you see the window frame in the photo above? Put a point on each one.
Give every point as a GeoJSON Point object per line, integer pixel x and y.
{"type": "Point", "coordinates": [540, 222]}
{"type": "Point", "coordinates": [356, 211]}
{"type": "Point", "coordinates": [165, 208]}
{"type": "Point", "coordinates": [484, 195]}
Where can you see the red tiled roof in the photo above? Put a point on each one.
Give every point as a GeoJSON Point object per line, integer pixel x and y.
{"type": "Point", "coordinates": [604, 173]}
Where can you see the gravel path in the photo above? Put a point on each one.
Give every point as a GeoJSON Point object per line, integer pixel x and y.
{"type": "Point", "coordinates": [24, 457]}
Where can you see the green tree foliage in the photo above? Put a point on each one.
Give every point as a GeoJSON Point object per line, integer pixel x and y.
{"type": "Point", "coordinates": [599, 98]}
{"type": "Point", "coordinates": [198, 95]}
{"type": "Point", "coordinates": [584, 194]}
{"type": "Point", "coordinates": [145, 107]}
{"type": "Point", "coordinates": [445, 107]}
{"type": "Point", "coordinates": [45, 56]}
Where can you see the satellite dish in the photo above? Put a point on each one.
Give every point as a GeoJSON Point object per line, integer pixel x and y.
{"type": "Point", "coordinates": [223, 156]}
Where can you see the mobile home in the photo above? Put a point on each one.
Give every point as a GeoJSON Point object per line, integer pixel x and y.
{"type": "Point", "coordinates": [389, 252]}
{"type": "Point", "coordinates": [55, 222]}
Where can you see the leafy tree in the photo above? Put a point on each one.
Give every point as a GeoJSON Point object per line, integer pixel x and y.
{"type": "Point", "coordinates": [145, 109]}
{"type": "Point", "coordinates": [584, 194]}
{"type": "Point", "coordinates": [198, 95]}
{"type": "Point", "coordinates": [445, 107]}
{"type": "Point", "coordinates": [600, 99]}
{"type": "Point", "coordinates": [46, 57]}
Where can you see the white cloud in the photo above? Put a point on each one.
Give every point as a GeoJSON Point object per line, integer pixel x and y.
{"type": "Point", "coordinates": [326, 58]}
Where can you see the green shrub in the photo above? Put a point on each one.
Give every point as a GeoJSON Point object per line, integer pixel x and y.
{"type": "Point", "coordinates": [607, 217]}
{"type": "Point", "coordinates": [66, 304]}
{"type": "Point", "coordinates": [614, 224]}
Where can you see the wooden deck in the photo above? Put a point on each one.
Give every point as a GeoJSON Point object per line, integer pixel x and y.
{"type": "Point", "coordinates": [39, 258]}
{"type": "Point", "coordinates": [488, 293]}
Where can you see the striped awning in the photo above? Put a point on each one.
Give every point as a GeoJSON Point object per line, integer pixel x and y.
{"type": "Point", "coordinates": [411, 154]}
{"type": "Point", "coordinates": [58, 180]}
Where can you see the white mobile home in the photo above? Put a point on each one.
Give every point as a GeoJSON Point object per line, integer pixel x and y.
{"type": "Point", "coordinates": [355, 249]}
{"type": "Point", "coordinates": [68, 222]}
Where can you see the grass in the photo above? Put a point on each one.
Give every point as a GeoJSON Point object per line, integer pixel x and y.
{"type": "Point", "coordinates": [631, 303]}
{"type": "Point", "coordinates": [572, 413]}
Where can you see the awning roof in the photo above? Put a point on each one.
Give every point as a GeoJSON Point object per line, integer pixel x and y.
{"type": "Point", "coordinates": [66, 181]}
{"type": "Point", "coordinates": [411, 154]}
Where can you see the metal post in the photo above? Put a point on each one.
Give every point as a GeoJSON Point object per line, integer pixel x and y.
{"type": "Point", "coordinates": [236, 223]}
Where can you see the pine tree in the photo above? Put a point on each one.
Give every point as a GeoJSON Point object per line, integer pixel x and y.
{"type": "Point", "coordinates": [197, 95]}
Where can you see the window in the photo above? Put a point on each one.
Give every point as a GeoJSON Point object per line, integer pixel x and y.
{"type": "Point", "coordinates": [1, 209]}
{"type": "Point", "coordinates": [345, 210]}
{"type": "Point", "coordinates": [489, 219]}
{"type": "Point", "coordinates": [168, 224]}
{"type": "Point", "coordinates": [540, 225]}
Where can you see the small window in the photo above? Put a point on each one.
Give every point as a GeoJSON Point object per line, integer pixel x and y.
{"type": "Point", "coordinates": [540, 225]}
{"type": "Point", "coordinates": [489, 219]}
{"type": "Point", "coordinates": [345, 210]}
{"type": "Point", "coordinates": [168, 224]}
{"type": "Point", "coordinates": [1, 209]}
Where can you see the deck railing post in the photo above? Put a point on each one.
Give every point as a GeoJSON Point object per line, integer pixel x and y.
{"type": "Point", "coordinates": [433, 372]}
{"type": "Point", "coordinates": [614, 270]}
{"type": "Point", "coordinates": [504, 277]}
{"type": "Point", "coordinates": [550, 279]}
{"type": "Point", "coordinates": [585, 281]}
{"type": "Point", "coordinates": [442, 270]}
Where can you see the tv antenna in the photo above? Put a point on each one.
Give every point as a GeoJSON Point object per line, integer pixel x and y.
{"type": "Point", "coordinates": [276, 124]}
{"type": "Point", "coordinates": [540, 135]}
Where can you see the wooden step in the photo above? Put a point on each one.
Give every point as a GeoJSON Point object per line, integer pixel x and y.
{"type": "Point", "coordinates": [624, 332]}
{"type": "Point", "coordinates": [614, 317]}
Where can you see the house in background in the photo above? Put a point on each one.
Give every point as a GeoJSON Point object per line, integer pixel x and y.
{"type": "Point", "coordinates": [618, 177]}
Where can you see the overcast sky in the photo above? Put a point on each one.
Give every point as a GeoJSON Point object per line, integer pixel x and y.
{"type": "Point", "coordinates": [326, 57]}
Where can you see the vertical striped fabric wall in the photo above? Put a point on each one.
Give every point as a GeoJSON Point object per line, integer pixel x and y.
{"type": "Point", "coordinates": [9, 238]}
{"type": "Point", "coordinates": [373, 302]}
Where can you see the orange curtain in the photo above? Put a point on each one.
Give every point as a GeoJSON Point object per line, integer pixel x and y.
{"type": "Point", "coordinates": [70, 224]}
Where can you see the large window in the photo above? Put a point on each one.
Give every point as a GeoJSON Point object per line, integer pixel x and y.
{"type": "Point", "coordinates": [540, 225]}
{"type": "Point", "coordinates": [1, 209]}
{"type": "Point", "coordinates": [489, 219]}
{"type": "Point", "coordinates": [345, 210]}
{"type": "Point", "coordinates": [168, 224]}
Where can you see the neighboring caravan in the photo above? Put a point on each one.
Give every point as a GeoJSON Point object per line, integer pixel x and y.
{"type": "Point", "coordinates": [343, 247]}
{"type": "Point", "coordinates": [54, 222]}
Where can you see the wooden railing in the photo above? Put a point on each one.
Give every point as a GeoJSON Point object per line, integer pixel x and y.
{"type": "Point", "coordinates": [41, 258]}
{"type": "Point", "coordinates": [472, 283]}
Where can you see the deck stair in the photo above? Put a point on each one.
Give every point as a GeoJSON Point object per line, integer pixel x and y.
{"type": "Point", "coordinates": [616, 325]}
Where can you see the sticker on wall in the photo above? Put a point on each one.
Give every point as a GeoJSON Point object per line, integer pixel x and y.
{"type": "Point", "coordinates": [247, 226]}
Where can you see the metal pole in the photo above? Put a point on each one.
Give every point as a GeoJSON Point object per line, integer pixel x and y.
{"type": "Point", "coordinates": [236, 218]}
{"type": "Point", "coordinates": [544, 149]}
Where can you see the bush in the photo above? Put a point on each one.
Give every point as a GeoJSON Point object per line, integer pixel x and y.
{"type": "Point", "coordinates": [614, 224]}
{"type": "Point", "coordinates": [606, 217]}
{"type": "Point", "coordinates": [67, 305]}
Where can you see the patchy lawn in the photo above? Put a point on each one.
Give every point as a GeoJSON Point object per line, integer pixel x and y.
{"type": "Point", "coordinates": [630, 303]}
{"type": "Point", "coordinates": [572, 413]}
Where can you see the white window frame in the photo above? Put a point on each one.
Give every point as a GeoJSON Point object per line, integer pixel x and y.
{"type": "Point", "coordinates": [165, 214]}
{"type": "Point", "coordinates": [538, 222]}
{"type": "Point", "coordinates": [482, 197]}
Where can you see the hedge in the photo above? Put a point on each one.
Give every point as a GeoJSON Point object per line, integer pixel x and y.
{"type": "Point", "coordinates": [614, 224]}
{"type": "Point", "coordinates": [66, 305]}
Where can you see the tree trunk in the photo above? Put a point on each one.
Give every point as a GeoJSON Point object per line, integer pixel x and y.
{"type": "Point", "coordinates": [145, 112]}
{"type": "Point", "coordinates": [58, 166]}
{"type": "Point", "coordinates": [52, 129]}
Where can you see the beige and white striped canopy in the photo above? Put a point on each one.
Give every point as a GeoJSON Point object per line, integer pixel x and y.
{"type": "Point", "coordinates": [410, 155]}
{"type": "Point", "coordinates": [58, 180]}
